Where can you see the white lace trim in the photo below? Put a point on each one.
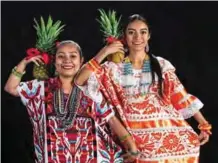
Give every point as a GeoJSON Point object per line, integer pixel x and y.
{"type": "Point", "coordinates": [192, 109]}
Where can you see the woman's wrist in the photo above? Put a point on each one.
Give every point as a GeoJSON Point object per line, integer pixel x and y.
{"type": "Point", "coordinates": [101, 55]}
{"type": "Point", "coordinates": [134, 153]}
{"type": "Point", "coordinates": [205, 127]}
{"type": "Point", "coordinates": [21, 66]}
{"type": "Point", "coordinates": [129, 143]}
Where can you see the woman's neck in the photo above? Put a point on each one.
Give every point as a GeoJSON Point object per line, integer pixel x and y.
{"type": "Point", "coordinates": [137, 59]}
{"type": "Point", "coordinates": [66, 84]}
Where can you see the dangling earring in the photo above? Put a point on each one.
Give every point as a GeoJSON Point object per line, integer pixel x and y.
{"type": "Point", "coordinates": [147, 48]}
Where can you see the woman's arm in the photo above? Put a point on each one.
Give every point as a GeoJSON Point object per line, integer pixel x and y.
{"type": "Point", "coordinates": [16, 75]}
{"type": "Point", "coordinates": [187, 104]}
{"type": "Point", "coordinates": [125, 138]}
{"type": "Point", "coordinates": [85, 71]}
{"type": "Point", "coordinates": [122, 133]}
{"type": "Point", "coordinates": [200, 118]}
{"type": "Point", "coordinates": [204, 127]}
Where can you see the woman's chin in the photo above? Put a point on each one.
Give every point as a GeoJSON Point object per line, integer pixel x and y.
{"type": "Point", "coordinates": [67, 75]}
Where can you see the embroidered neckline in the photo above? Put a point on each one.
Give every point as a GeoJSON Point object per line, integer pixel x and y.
{"type": "Point", "coordinates": [128, 69]}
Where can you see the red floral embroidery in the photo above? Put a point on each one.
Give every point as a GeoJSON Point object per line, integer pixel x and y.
{"type": "Point", "coordinates": [171, 141]}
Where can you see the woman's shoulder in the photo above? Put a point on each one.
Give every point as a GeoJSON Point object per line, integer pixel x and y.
{"type": "Point", "coordinates": [165, 64]}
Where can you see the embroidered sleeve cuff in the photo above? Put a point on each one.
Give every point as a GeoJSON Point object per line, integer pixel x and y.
{"type": "Point", "coordinates": [191, 109]}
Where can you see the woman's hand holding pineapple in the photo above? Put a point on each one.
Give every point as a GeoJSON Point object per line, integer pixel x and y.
{"type": "Point", "coordinates": [35, 59]}
{"type": "Point", "coordinates": [106, 51]}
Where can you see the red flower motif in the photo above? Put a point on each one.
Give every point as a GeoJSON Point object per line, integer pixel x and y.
{"type": "Point", "coordinates": [32, 52]}
{"type": "Point", "coordinates": [193, 139]}
{"type": "Point", "coordinates": [170, 141]}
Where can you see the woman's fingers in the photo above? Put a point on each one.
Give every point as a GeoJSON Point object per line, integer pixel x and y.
{"type": "Point", "coordinates": [35, 62]}
{"type": "Point", "coordinates": [39, 60]}
{"type": "Point", "coordinates": [128, 157]}
{"type": "Point", "coordinates": [203, 138]}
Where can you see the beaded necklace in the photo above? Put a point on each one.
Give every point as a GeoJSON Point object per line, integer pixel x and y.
{"type": "Point", "coordinates": [66, 112]}
{"type": "Point", "coordinates": [128, 69]}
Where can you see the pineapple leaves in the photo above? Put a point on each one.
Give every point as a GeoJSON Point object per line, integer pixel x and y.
{"type": "Point", "coordinates": [42, 25]}
{"type": "Point", "coordinates": [49, 23]}
{"type": "Point", "coordinates": [109, 24]}
{"type": "Point", "coordinates": [47, 33]}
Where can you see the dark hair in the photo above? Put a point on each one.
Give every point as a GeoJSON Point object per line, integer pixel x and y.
{"type": "Point", "coordinates": [155, 65]}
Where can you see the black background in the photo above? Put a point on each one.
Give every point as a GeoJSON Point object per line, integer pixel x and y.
{"type": "Point", "coordinates": [185, 33]}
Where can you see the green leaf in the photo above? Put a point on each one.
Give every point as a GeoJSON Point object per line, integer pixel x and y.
{"type": "Point", "coordinates": [42, 25]}
{"type": "Point", "coordinates": [47, 33]}
{"type": "Point", "coordinates": [109, 25]}
{"type": "Point", "coordinates": [49, 23]}
{"type": "Point", "coordinates": [37, 25]}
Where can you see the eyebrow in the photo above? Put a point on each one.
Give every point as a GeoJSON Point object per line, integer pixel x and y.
{"type": "Point", "coordinates": [72, 52]}
{"type": "Point", "coordinates": [135, 29]}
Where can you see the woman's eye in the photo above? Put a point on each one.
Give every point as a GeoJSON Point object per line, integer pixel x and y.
{"type": "Point", "coordinates": [60, 56]}
{"type": "Point", "coordinates": [72, 56]}
{"type": "Point", "coordinates": [130, 32]}
{"type": "Point", "coordinates": [143, 32]}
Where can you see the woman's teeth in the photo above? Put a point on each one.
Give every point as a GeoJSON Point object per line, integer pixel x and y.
{"type": "Point", "coordinates": [67, 67]}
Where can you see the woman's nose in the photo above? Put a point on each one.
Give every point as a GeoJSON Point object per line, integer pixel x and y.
{"type": "Point", "coordinates": [137, 35]}
{"type": "Point", "coordinates": [67, 59]}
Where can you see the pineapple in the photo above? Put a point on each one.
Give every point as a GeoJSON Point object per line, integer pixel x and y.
{"type": "Point", "coordinates": [46, 36]}
{"type": "Point", "coordinates": [111, 29]}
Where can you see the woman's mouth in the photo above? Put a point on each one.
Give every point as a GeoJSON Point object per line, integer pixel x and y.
{"type": "Point", "coordinates": [137, 43]}
{"type": "Point", "coordinates": [67, 67]}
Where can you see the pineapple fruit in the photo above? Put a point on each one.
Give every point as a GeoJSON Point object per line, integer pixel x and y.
{"type": "Point", "coordinates": [47, 34]}
{"type": "Point", "coordinates": [110, 27]}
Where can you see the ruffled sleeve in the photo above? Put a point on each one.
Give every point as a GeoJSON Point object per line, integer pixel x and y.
{"type": "Point", "coordinates": [184, 102]}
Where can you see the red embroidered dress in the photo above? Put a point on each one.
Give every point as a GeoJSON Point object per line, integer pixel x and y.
{"type": "Point", "coordinates": [157, 124]}
{"type": "Point", "coordinates": [74, 134]}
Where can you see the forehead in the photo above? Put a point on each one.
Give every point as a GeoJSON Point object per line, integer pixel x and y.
{"type": "Point", "coordinates": [137, 24]}
{"type": "Point", "coordinates": [67, 48]}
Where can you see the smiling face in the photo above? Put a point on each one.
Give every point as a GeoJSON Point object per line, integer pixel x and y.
{"type": "Point", "coordinates": [68, 60]}
{"type": "Point", "coordinates": [137, 35]}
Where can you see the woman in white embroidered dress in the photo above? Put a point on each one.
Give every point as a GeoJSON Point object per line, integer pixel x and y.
{"type": "Point", "coordinates": [149, 98]}
{"type": "Point", "coordinates": [67, 125]}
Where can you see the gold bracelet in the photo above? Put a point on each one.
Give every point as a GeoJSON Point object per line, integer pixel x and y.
{"type": "Point", "coordinates": [16, 73]}
{"type": "Point", "coordinates": [123, 138]}
{"type": "Point", "coordinates": [93, 65]}
{"type": "Point", "coordinates": [134, 153]}
{"type": "Point", "coordinates": [206, 127]}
